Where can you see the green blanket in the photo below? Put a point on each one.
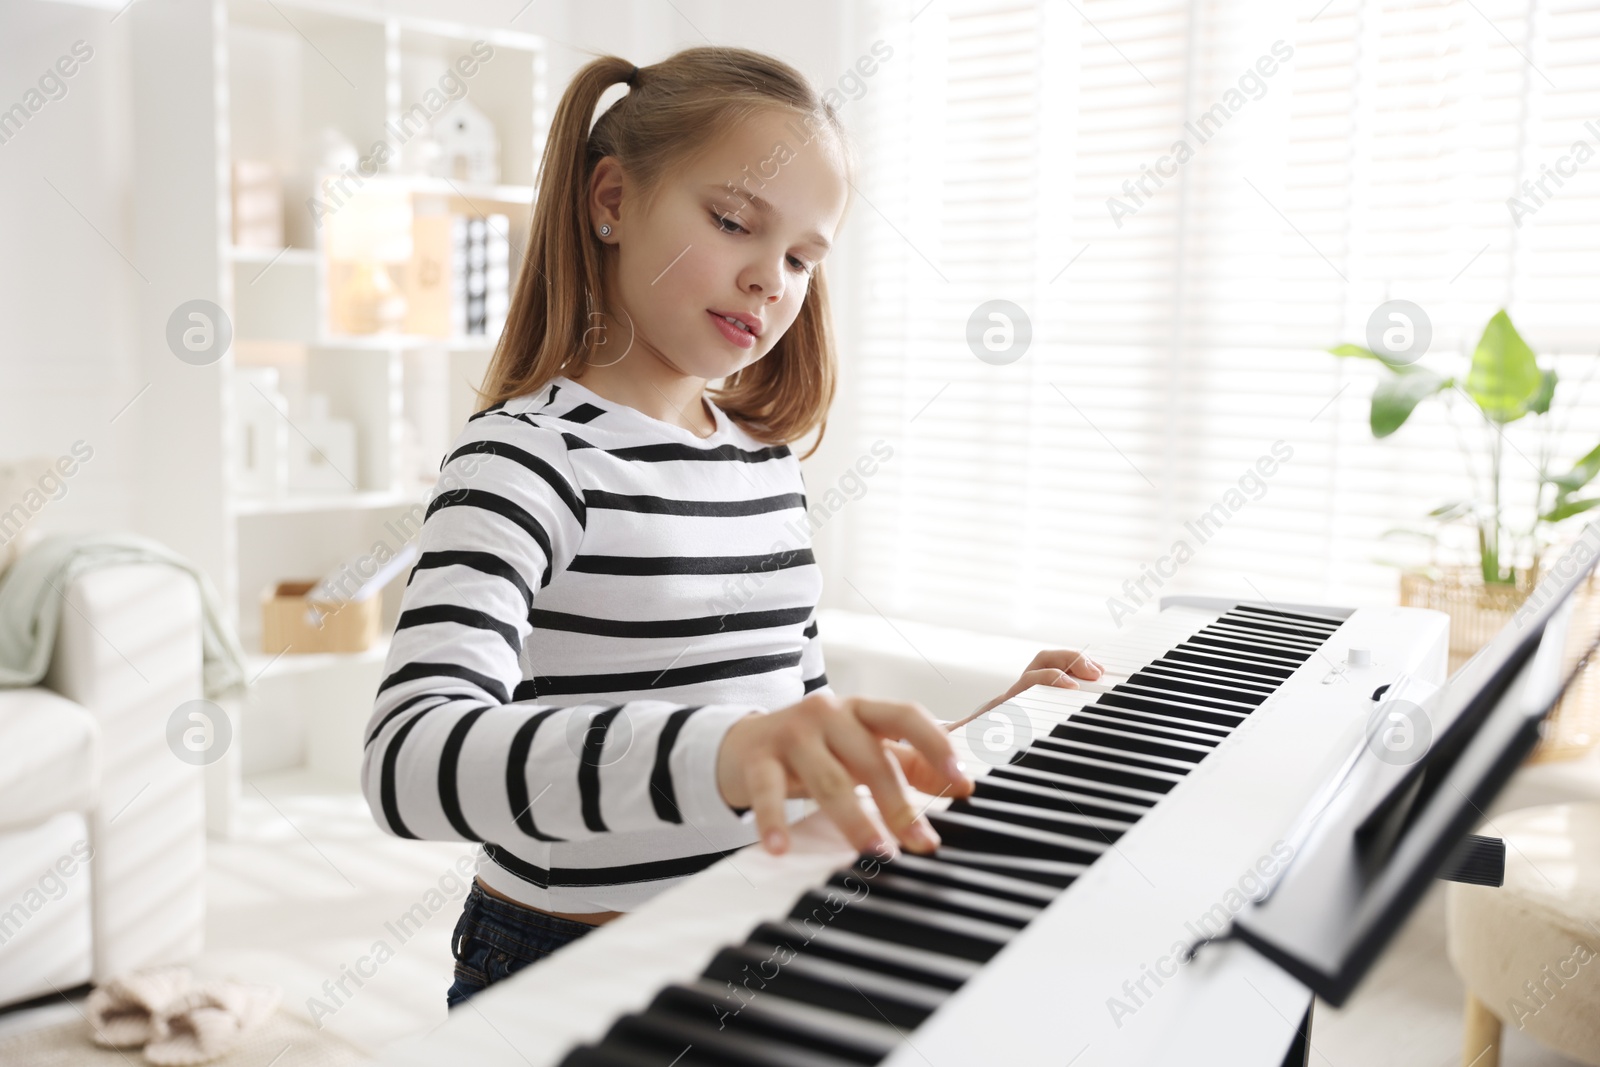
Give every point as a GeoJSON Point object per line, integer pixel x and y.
{"type": "Point", "coordinates": [31, 594]}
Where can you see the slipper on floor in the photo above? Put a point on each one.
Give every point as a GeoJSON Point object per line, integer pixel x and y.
{"type": "Point", "coordinates": [210, 1019]}
{"type": "Point", "coordinates": [131, 1009]}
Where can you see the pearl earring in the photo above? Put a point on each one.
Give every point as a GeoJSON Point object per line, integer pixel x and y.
{"type": "Point", "coordinates": [605, 229]}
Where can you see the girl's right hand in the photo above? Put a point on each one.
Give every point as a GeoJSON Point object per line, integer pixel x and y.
{"type": "Point", "coordinates": [821, 747]}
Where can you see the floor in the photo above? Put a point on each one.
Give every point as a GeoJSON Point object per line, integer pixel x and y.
{"type": "Point", "coordinates": [308, 892]}
{"type": "Point", "coordinates": [302, 897]}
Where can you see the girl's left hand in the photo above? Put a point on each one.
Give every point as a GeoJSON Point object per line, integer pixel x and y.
{"type": "Point", "coordinates": [1053, 666]}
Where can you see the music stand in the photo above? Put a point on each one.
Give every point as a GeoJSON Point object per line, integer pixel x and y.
{"type": "Point", "coordinates": [1368, 852]}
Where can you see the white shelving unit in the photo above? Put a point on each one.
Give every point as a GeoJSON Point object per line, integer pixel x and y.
{"type": "Point", "coordinates": [281, 73]}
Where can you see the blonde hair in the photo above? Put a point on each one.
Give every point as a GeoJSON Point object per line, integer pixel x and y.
{"type": "Point", "coordinates": [673, 110]}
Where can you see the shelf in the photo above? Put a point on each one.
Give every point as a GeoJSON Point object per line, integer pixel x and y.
{"type": "Point", "coordinates": [521, 195]}
{"type": "Point", "coordinates": [302, 662]}
{"type": "Point", "coordinates": [287, 257]}
{"type": "Point", "coordinates": [388, 342]}
{"type": "Point", "coordinates": [304, 503]}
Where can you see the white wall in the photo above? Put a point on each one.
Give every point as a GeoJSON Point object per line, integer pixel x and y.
{"type": "Point", "coordinates": [68, 297]}
{"type": "Point", "coordinates": [78, 293]}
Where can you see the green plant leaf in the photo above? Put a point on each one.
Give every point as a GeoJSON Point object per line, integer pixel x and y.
{"type": "Point", "coordinates": [1568, 508]}
{"type": "Point", "coordinates": [1356, 351]}
{"type": "Point", "coordinates": [1406, 531]}
{"type": "Point", "coordinates": [1505, 376]}
{"type": "Point", "coordinates": [1397, 396]}
{"type": "Point", "coordinates": [1453, 510]}
{"type": "Point", "coordinates": [1540, 404]}
{"type": "Point", "coordinates": [1581, 474]}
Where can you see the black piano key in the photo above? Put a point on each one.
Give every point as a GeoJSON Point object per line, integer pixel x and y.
{"type": "Point", "coordinates": [694, 1043]}
{"type": "Point", "coordinates": [1331, 621]}
{"type": "Point", "coordinates": [1054, 797]}
{"type": "Point", "coordinates": [1005, 855]}
{"type": "Point", "coordinates": [1204, 663]}
{"type": "Point", "coordinates": [1045, 872]}
{"type": "Point", "coordinates": [1033, 776]}
{"type": "Point", "coordinates": [1100, 750]}
{"type": "Point", "coordinates": [780, 1019]}
{"type": "Point", "coordinates": [982, 834]}
{"type": "Point", "coordinates": [1281, 634]}
{"type": "Point", "coordinates": [1145, 722]}
{"type": "Point", "coordinates": [1233, 682]}
{"type": "Point", "coordinates": [1242, 661]}
{"type": "Point", "coordinates": [888, 883]}
{"type": "Point", "coordinates": [1129, 741]}
{"type": "Point", "coordinates": [885, 957]}
{"type": "Point", "coordinates": [842, 987]}
{"type": "Point", "coordinates": [1101, 831]}
{"type": "Point", "coordinates": [909, 924]}
{"type": "Point", "coordinates": [1095, 770]}
{"type": "Point", "coordinates": [590, 1056]}
{"type": "Point", "coordinates": [1246, 650]}
{"type": "Point", "coordinates": [996, 886]}
{"type": "Point", "coordinates": [1158, 680]}
{"type": "Point", "coordinates": [1184, 700]}
{"type": "Point", "coordinates": [1170, 706]}
{"type": "Point", "coordinates": [1274, 644]}
{"type": "Point", "coordinates": [1212, 660]}
{"type": "Point", "coordinates": [1247, 624]}
{"type": "Point", "coordinates": [1312, 635]}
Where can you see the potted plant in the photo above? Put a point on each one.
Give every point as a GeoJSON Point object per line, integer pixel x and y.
{"type": "Point", "coordinates": [1504, 383]}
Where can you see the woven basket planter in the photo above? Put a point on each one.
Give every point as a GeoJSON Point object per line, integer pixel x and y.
{"type": "Point", "coordinates": [1478, 612]}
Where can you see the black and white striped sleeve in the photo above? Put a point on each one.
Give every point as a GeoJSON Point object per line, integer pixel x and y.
{"type": "Point", "coordinates": [450, 754]}
{"type": "Point", "coordinates": [811, 665]}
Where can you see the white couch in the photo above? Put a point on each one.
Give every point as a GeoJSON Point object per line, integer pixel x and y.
{"type": "Point", "coordinates": [102, 827]}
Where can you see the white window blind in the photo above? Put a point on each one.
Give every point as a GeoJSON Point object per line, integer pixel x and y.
{"type": "Point", "coordinates": [1337, 159]}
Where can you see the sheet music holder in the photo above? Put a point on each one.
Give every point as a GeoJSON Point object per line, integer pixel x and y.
{"type": "Point", "coordinates": [1367, 852]}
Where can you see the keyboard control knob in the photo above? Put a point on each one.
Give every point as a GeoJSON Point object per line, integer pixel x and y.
{"type": "Point", "coordinates": [1359, 657]}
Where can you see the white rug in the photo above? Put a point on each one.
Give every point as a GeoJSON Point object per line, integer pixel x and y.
{"type": "Point", "coordinates": [283, 1041]}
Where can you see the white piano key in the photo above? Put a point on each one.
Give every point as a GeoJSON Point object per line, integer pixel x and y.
{"type": "Point", "coordinates": [1043, 998]}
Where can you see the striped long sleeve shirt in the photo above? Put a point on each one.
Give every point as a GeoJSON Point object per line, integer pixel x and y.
{"type": "Point", "coordinates": [598, 597]}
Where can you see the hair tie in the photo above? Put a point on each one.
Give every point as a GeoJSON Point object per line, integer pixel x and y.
{"type": "Point", "coordinates": [632, 74]}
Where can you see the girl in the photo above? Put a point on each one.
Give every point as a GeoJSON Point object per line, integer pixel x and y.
{"type": "Point", "coordinates": [607, 651]}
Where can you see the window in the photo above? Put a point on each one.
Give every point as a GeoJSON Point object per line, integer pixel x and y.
{"type": "Point", "coordinates": [1181, 300]}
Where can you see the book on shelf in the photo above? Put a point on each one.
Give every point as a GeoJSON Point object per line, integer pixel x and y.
{"type": "Point", "coordinates": [460, 277]}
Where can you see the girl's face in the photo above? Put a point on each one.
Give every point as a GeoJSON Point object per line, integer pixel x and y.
{"type": "Point", "coordinates": [736, 231]}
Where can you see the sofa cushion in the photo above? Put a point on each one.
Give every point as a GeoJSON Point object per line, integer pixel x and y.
{"type": "Point", "coordinates": [49, 756]}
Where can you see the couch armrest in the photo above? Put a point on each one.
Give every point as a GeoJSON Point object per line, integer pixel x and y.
{"type": "Point", "coordinates": [129, 651]}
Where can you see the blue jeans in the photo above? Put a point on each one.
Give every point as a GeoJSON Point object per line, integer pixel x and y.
{"type": "Point", "coordinates": [495, 939]}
